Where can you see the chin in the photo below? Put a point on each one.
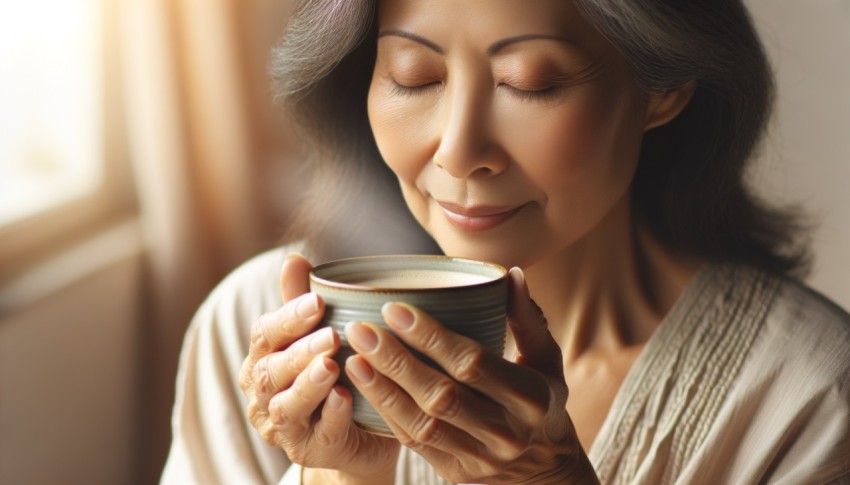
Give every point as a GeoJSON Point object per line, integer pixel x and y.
{"type": "Point", "coordinates": [493, 250]}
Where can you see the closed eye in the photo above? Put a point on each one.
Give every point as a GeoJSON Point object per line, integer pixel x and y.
{"type": "Point", "coordinates": [544, 94]}
{"type": "Point", "coordinates": [419, 89]}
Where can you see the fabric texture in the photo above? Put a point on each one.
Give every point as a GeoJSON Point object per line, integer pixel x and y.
{"type": "Point", "coordinates": [747, 380]}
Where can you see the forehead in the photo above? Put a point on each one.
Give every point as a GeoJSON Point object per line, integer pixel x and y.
{"type": "Point", "coordinates": [483, 23]}
{"type": "Point", "coordinates": [486, 20]}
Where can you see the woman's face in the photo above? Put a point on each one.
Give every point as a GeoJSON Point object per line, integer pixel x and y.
{"type": "Point", "coordinates": [513, 126]}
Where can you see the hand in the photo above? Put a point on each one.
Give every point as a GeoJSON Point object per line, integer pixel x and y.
{"type": "Point", "coordinates": [490, 420]}
{"type": "Point", "coordinates": [289, 379]}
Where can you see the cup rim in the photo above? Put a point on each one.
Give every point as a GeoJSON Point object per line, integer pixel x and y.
{"type": "Point", "coordinates": [330, 283]}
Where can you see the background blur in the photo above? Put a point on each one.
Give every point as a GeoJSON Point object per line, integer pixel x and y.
{"type": "Point", "coordinates": [141, 159]}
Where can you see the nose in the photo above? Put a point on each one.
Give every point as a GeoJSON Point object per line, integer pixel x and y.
{"type": "Point", "coordinates": [467, 147]}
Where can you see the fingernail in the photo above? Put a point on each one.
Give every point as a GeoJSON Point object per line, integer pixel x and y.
{"type": "Point", "coordinates": [362, 336]}
{"type": "Point", "coordinates": [319, 373]}
{"type": "Point", "coordinates": [335, 400]}
{"type": "Point", "coordinates": [359, 369]}
{"type": "Point", "coordinates": [398, 315]}
{"type": "Point", "coordinates": [321, 340]}
{"type": "Point", "coordinates": [517, 275]}
{"type": "Point", "coordinates": [307, 305]}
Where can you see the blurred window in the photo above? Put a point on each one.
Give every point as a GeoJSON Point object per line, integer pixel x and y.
{"type": "Point", "coordinates": [49, 124]}
{"type": "Point", "coordinates": [59, 175]}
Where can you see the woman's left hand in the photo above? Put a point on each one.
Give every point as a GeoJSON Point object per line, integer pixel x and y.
{"type": "Point", "coordinates": [490, 420]}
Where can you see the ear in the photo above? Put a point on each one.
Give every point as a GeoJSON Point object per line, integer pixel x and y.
{"type": "Point", "coordinates": [666, 105]}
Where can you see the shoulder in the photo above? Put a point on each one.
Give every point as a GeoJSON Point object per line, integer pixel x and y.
{"type": "Point", "coordinates": [793, 390]}
{"type": "Point", "coordinates": [800, 359]}
{"type": "Point", "coordinates": [811, 331]}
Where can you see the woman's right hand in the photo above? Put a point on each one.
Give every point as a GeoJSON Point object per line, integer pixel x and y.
{"type": "Point", "coordinates": [293, 401]}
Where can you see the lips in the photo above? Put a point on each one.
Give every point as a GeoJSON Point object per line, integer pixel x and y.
{"type": "Point", "coordinates": [477, 218]}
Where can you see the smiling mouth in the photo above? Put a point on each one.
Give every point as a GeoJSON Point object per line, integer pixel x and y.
{"type": "Point", "coordinates": [477, 218]}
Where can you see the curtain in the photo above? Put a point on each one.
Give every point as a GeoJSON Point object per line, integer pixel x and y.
{"type": "Point", "coordinates": [210, 156]}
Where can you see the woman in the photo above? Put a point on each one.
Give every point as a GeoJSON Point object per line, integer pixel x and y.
{"type": "Point", "coordinates": [598, 148]}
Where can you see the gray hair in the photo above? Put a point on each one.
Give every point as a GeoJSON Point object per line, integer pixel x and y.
{"type": "Point", "coordinates": [317, 38]}
{"type": "Point", "coordinates": [690, 185]}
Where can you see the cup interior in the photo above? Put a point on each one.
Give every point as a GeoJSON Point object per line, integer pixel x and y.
{"type": "Point", "coordinates": [406, 272]}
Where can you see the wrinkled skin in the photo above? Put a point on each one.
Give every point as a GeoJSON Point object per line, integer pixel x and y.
{"type": "Point", "coordinates": [490, 420]}
{"type": "Point", "coordinates": [289, 379]}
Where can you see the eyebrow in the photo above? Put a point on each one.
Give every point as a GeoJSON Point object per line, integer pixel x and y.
{"type": "Point", "coordinates": [491, 51]}
{"type": "Point", "coordinates": [415, 38]}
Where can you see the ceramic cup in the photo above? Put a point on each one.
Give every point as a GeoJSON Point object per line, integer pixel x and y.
{"type": "Point", "coordinates": [468, 297]}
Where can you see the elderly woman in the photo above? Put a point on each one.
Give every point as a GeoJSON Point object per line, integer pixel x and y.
{"type": "Point", "coordinates": [598, 148]}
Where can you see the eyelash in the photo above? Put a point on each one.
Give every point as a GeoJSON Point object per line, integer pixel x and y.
{"type": "Point", "coordinates": [541, 95]}
{"type": "Point", "coordinates": [408, 91]}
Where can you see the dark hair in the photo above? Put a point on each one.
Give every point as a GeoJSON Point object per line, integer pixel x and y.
{"type": "Point", "coordinates": [690, 187]}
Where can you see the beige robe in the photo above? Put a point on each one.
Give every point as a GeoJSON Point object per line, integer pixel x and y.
{"type": "Point", "coordinates": [746, 381]}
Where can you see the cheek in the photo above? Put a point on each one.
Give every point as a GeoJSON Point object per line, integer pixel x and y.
{"type": "Point", "coordinates": [585, 145]}
{"type": "Point", "coordinates": [401, 133]}
{"type": "Point", "coordinates": [402, 141]}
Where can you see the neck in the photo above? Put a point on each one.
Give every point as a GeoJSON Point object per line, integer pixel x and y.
{"type": "Point", "coordinates": [610, 290]}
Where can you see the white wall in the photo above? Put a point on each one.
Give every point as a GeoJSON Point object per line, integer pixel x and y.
{"type": "Point", "coordinates": [807, 158]}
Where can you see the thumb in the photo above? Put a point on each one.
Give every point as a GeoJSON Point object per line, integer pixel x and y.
{"type": "Point", "coordinates": [294, 277]}
{"type": "Point", "coordinates": [537, 348]}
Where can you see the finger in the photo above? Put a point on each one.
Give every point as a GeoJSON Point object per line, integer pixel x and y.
{"type": "Point", "coordinates": [441, 459]}
{"type": "Point", "coordinates": [294, 277]}
{"type": "Point", "coordinates": [437, 397]}
{"type": "Point", "coordinates": [413, 427]}
{"type": "Point", "coordinates": [332, 432]}
{"type": "Point", "coordinates": [278, 329]}
{"type": "Point", "coordinates": [291, 411]}
{"type": "Point", "coordinates": [336, 414]}
{"type": "Point", "coordinates": [521, 390]}
{"type": "Point", "coordinates": [278, 370]}
{"type": "Point", "coordinates": [535, 344]}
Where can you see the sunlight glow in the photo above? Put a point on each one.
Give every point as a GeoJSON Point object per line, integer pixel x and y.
{"type": "Point", "coordinates": [50, 104]}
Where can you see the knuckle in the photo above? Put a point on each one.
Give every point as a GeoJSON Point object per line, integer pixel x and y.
{"type": "Point", "coordinates": [297, 455]}
{"type": "Point", "coordinates": [467, 368]}
{"type": "Point", "coordinates": [269, 433]}
{"type": "Point", "coordinates": [397, 364]}
{"type": "Point", "coordinates": [489, 467]}
{"type": "Point", "coordinates": [538, 400]}
{"type": "Point", "coordinates": [279, 414]}
{"type": "Point", "coordinates": [443, 400]}
{"type": "Point", "coordinates": [254, 413]}
{"type": "Point", "coordinates": [484, 464]}
{"type": "Point", "coordinates": [431, 340]}
{"type": "Point", "coordinates": [292, 362]}
{"type": "Point", "coordinates": [259, 341]}
{"type": "Point", "coordinates": [510, 449]}
{"type": "Point", "coordinates": [408, 442]}
{"type": "Point", "coordinates": [245, 377]}
{"type": "Point", "coordinates": [263, 380]}
{"type": "Point", "coordinates": [388, 399]}
{"type": "Point", "coordinates": [425, 429]}
{"type": "Point", "coordinates": [302, 392]}
{"type": "Point", "coordinates": [323, 438]}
